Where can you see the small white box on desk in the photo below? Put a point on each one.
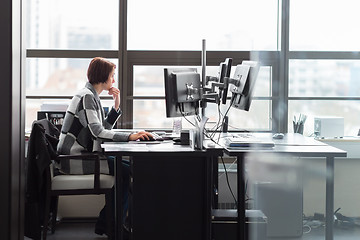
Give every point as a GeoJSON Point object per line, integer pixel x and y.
{"type": "Point", "coordinates": [329, 127]}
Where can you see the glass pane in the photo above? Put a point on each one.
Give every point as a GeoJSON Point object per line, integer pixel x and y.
{"type": "Point", "coordinates": [349, 110]}
{"type": "Point", "coordinates": [149, 80]}
{"type": "Point", "coordinates": [150, 114]}
{"type": "Point", "coordinates": [324, 78]}
{"type": "Point", "coordinates": [57, 77]}
{"type": "Point", "coordinates": [35, 105]}
{"type": "Point", "coordinates": [257, 118]}
{"type": "Point", "coordinates": [327, 26]}
{"type": "Point", "coordinates": [67, 24]}
{"type": "Point", "coordinates": [181, 25]}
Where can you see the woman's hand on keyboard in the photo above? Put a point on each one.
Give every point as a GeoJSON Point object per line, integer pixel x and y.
{"type": "Point", "coordinates": [142, 135]}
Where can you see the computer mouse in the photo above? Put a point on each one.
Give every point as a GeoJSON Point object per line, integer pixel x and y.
{"type": "Point", "coordinates": [278, 136]}
{"type": "Point", "coordinates": [150, 139]}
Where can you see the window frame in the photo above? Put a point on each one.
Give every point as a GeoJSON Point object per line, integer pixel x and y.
{"type": "Point", "coordinates": [278, 60]}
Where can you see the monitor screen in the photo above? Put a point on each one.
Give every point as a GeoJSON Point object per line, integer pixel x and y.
{"type": "Point", "coordinates": [182, 94]}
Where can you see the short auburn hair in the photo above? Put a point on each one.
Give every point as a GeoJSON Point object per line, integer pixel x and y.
{"type": "Point", "coordinates": [99, 70]}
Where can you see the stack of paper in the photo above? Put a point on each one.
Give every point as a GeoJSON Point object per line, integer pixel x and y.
{"type": "Point", "coordinates": [247, 141]}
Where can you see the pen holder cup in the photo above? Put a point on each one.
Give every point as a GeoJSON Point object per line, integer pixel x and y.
{"type": "Point", "coordinates": [298, 127]}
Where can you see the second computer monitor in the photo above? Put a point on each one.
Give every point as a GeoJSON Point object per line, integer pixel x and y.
{"type": "Point", "coordinates": [225, 69]}
{"type": "Point", "coordinates": [182, 91]}
{"type": "Point", "coordinates": [242, 92]}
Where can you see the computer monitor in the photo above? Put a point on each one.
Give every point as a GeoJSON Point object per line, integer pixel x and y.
{"type": "Point", "coordinates": [243, 83]}
{"type": "Point", "coordinates": [225, 69]}
{"type": "Point", "coordinates": [182, 91]}
{"type": "Point", "coordinates": [219, 82]}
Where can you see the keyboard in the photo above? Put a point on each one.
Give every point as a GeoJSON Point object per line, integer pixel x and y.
{"type": "Point", "coordinates": [155, 137]}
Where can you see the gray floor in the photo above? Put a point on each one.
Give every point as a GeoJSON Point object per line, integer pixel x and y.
{"type": "Point", "coordinates": [74, 231]}
{"type": "Point", "coordinates": [352, 233]}
{"type": "Point", "coordinates": [85, 231]}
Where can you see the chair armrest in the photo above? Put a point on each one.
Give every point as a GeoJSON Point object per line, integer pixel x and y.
{"type": "Point", "coordinates": [94, 156]}
{"type": "Point", "coordinates": [79, 156]}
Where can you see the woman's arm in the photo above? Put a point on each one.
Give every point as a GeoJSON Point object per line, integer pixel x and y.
{"type": "Point", "coordinates": [90, 118]}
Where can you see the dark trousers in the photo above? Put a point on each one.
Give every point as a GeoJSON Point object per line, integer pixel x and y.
{"type": "Point", "coordinates": [125, 186]}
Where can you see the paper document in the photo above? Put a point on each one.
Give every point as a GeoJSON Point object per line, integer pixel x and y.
{"type": "Point", "coordinates": [122, 146]}
{"type": "Point", "coordinates": [247, 140]}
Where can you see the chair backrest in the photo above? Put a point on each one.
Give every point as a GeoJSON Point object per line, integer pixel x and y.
{"type": "Point", "coordinates": [41, 150]}
{"type": "Point", "coordinates": [55, 117]}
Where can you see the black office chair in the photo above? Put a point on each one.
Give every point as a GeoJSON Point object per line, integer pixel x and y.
{"type": "Point", "coordinates": [41, 153]}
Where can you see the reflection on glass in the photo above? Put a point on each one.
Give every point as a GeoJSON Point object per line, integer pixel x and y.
{"type": "Point", "coordinates": [57, 77]}
{"type": "Point", "coordinates": [322, 78]}
{"type": "Point", "coordinates": [349, 110]}
{"type": "Point", "coordinates": [276, 188]}
{"type": "Point", "coordinates": [181, 25]}
{"type": "Point", "coordinates": [67, 24]}
{"type": "Point", "coordinates": [336, 34]}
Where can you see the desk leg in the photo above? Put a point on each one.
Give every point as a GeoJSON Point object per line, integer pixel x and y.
{"type": "Point", "coordinates": [208, 195]}
{"type": "Point", "coordinates": [241, 196]}
{"type": "Point", "coordinates": [329, 231]}
{"type": "Point", "coordinates": [118, 193]}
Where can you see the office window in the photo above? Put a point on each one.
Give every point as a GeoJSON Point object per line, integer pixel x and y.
{"type": "Point", "coordinates": [324, 78]}
{"type": "Point", "coordinates": [324, 68]}
{"type": "Point", "coordinates": [55, 80]}
{"type": "Point", "coordinates": [34, 105]}
{"type": "Point", "coordinates": [57, 76]}
{"type": "Point", "coordinates": [324, 25]}
{"type": "Point", "coordinates": [181, 25]}
{"type": "Point", "coordinates": [259, 115]}
{"type": "Point", "coordinates": [324, 87]}
{"type": "Point", "coordinates": [149, 81]}
{"type": "Point", "coordinates": [348, 109]}
{"type": "Point", "coordinates": [67, 24]}
{"type": "Point", "coordinates": [257, 118]}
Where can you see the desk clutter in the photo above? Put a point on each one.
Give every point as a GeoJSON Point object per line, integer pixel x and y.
{"type": "Point", "coordinates": [329, 127]}
{"type": "Point", "coordinates": [298, 123]}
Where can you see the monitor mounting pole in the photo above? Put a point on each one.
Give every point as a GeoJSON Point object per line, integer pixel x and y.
{"type": "Point", "coordinates": [203, 74]}
{"type": "Point", "coordinates": [200, 123]}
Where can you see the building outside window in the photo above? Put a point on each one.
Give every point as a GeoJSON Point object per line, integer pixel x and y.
{"type": "Point", "coordinates": [142, 37]}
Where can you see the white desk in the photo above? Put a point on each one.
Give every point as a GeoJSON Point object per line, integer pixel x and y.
{"type": "Point", "coordinates": [296, 145]}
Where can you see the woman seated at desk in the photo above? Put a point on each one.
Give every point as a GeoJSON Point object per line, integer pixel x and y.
{"type": "Point", "coordinates": [85, 128]}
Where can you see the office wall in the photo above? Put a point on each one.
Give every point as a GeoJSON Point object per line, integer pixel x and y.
{"type": "Point", "coordinates": [87, 206]}
{"type": "Point", "coordinates": [11, 140]}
